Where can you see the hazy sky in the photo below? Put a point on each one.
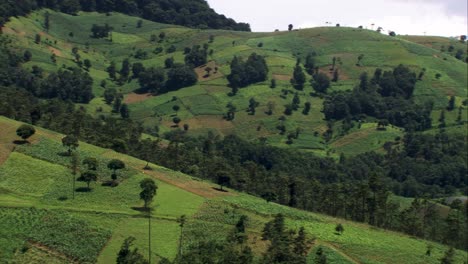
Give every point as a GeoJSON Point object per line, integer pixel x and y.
{"type": "Point", "coordinates": [413, 17]}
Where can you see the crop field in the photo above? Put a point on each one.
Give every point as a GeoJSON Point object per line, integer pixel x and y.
{"type": "Point", "coordinates": [47, 217]}
{"type": "Point", "coordinates": [211, 95]}
{"type": "Point", "coordinates": [36, 184]}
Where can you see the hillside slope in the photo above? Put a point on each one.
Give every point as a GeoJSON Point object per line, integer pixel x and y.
{"type": "Point", "coordinates": [203, 106]}
{"type": "Point", "coordinates": [35, 185]}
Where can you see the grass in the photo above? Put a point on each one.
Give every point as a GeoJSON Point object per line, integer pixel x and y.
{"type": "Point", "coordinates": [210, 97]}
{"type": "Point", "coordinates": [35, 182]}
{"type": "Point", "coordinates": [75, 239]}
{"type": "Point", "coordinates": [91, 227]}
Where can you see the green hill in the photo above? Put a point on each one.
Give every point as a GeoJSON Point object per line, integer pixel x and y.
{"type": "Point", "coordinates": [40, 221]}
{"type": "Point", "coordinates": [202, 107]}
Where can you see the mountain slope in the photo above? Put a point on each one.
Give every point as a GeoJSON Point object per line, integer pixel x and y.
{"type": "Point", "coordinates": [35, 184]}
{"type": "Point", "coordinates": [202, 106]}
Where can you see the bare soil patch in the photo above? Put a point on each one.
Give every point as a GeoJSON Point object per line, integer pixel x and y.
{"type": "Point", "coordinates": [341, 74]}
{"type": "Point", "coordinates": [202, 74]}
{"type": "Point", "coordinates": [282, 77]}
{"type": "Point", "coordinates": [8, 30]}
{"type": "Point", "coordinates": [352, 137]}
{"type": "Point", "coordinates": [209, 121]}
{"type": "Point", "coordinates": [136, 98]}
{"type": "Point", "coordinates": [55, 51]}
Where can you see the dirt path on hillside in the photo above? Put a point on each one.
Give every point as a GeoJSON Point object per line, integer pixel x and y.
{"type": "Point", "coordinates": [185, 182]}
{"type": "Point", "coordinates": [7, 133]}
{"type": "Point", "coordinates": [132, 98]}
{"type": "Point", "coordinates": [341, 253]}
{"type": "Point", "coordinates": [51, 251]}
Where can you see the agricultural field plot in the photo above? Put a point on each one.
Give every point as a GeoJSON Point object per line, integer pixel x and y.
{"type": "Point", "coordinates": [367, 138]}
{"type": "Point", "coordinates": [42, 189]}
{"type": "Point", "coordinates": [359, 243]}
{"type": "Point", "coordinates": [210, 97]}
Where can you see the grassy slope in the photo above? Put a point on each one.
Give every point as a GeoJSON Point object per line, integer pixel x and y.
{"type": "Point", "coordinates": [203, 105]}
{"type": "Point", "coordinates": [35, 179]}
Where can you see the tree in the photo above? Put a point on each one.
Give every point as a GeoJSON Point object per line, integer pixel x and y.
{"type": "Point", "coordinates": [335, 75]}
{"type": "Point", "coordinates": [176, 108]}
{"type": "Point", "coordinates": [310, 63]}
{"type": "Point", "coordinates": [139, 23]}
{"type": "Point", "coordinates": [27, 55]}
{"type": "Point", "coordinates": [181, 220]}
{"type": "Point", "coordinates": [299, 77]}
{"type": "Point", "coordinates": [112, 70]}
{"type": "Point", "coordinates": [176, 120]}
{"type": "Point", "coordinates": [87, 64]}
{"type": "Point", "coordinates": [442, 119]}
{"type": "Point", "coordinates": [148, 191]}
{"type": "Point", "coordinates": [137, 68]}
{"type": "Point", "coordinates": [300, 243]}
{"type": "Point", "coordinates": [125, 70]}
{"type": "Point", "coordinates": [448, 257]}
{"type": "Point", "coordinates": [438, 75]}
{"type": "Point", "coordinates": [231, 111]}
{"type": "Point", "coordinates": [223, 179]}
{"type": "Point", "coordinates": [196, 57]}
{"type": "Point", "coordinates": [307, 107]}
{"type": "Point", "coordinates": [169, 63]}
{"type": "Point", "coordinates": [270, 196]}
{"type": "Point", "coordinates": [295, 102]}
{"type": "Point", "coordinates": [71, 142]}
{"type": "Point", "coordinates": [320, 257]}
{"type": "Point", "coordinates": [392, 34]}
{"type": "Point", "coordinates": [91, 163]}
{"type": "Point", "coordinates": [320, 82]}
{"type": "Point", "coordinates": [451, 103]}
{"type": "Point", "coordinates": [462, 38]}
{"type": "Point", "coordinates": [124, 111]}
{"type": "Point", "coordinates": [273, 84]}
{"type": "Point", "coordinates": [37, 39]}
{"type": "Point", "coordinates": [109, 95]}
{"type": "Point", "coordinates": [252, 105]}
{"type": "Point", "coordinates": [152, 80]}
{"type": "Point", "coordinates": [459, 54]}
{"type": "Point", "coordinates": [25, 131]}
{"type": "Point", "coordinates": [101, 31]}
{"type": "Point", "coordinates": [171, 49]}
{"type": "Point", "coordinates": [128, 256]}
{"type": "Point", "coordinates": [359, 59]}
{"type": "Point", "coordinates": [180, 76]}
{"type": "Point", "coordinates": [47, 21]}
{"type": "Point", "coordinates": [429, 249]}
{"type": "Point", "coordinates": [290, 27]}
{"type": "Point", "coordinates": [208, 71]}
{"type": "Point", "coordinates": [339, 228]}
{"type": "Point", "coordinates": [115, 165]}
{"type": "Point", "coordinates": [88, 177]}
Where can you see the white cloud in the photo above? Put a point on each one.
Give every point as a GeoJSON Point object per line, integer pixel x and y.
{"type": "Point", "coordinates": [414, 17]}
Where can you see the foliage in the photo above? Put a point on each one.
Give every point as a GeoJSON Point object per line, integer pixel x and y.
{"type": "Point", "coordinates": [195, 13]}
{"type": "Point", "coordinates": [25, 131]}
{"type": "Point", "coordinates": [148, 191]}
{"type": "Point", "coordinates": [243, 73]}
{"type": "Point", "coordinates": [128, 256]}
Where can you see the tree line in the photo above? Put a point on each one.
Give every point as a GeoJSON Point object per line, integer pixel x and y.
{"type": "Point", "coordinates": [386, 96]}
{"type": "Point", "coordinates": [356, 188]}
{"type": "Point", "coordinates": [190, 13]}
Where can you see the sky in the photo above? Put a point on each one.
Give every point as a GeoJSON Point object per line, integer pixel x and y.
{"type": "Point", "coordinates": [405, 17]}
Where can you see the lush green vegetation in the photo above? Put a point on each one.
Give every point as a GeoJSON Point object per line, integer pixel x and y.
{"type": "Point", "coordinates": [109, 210]}
{"type": "Point", "coordinates": [203, 106]}
{"type": "Point", "coordinates": [180, 12]}
{"type": "Point", "coordinates": [169, 95]}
